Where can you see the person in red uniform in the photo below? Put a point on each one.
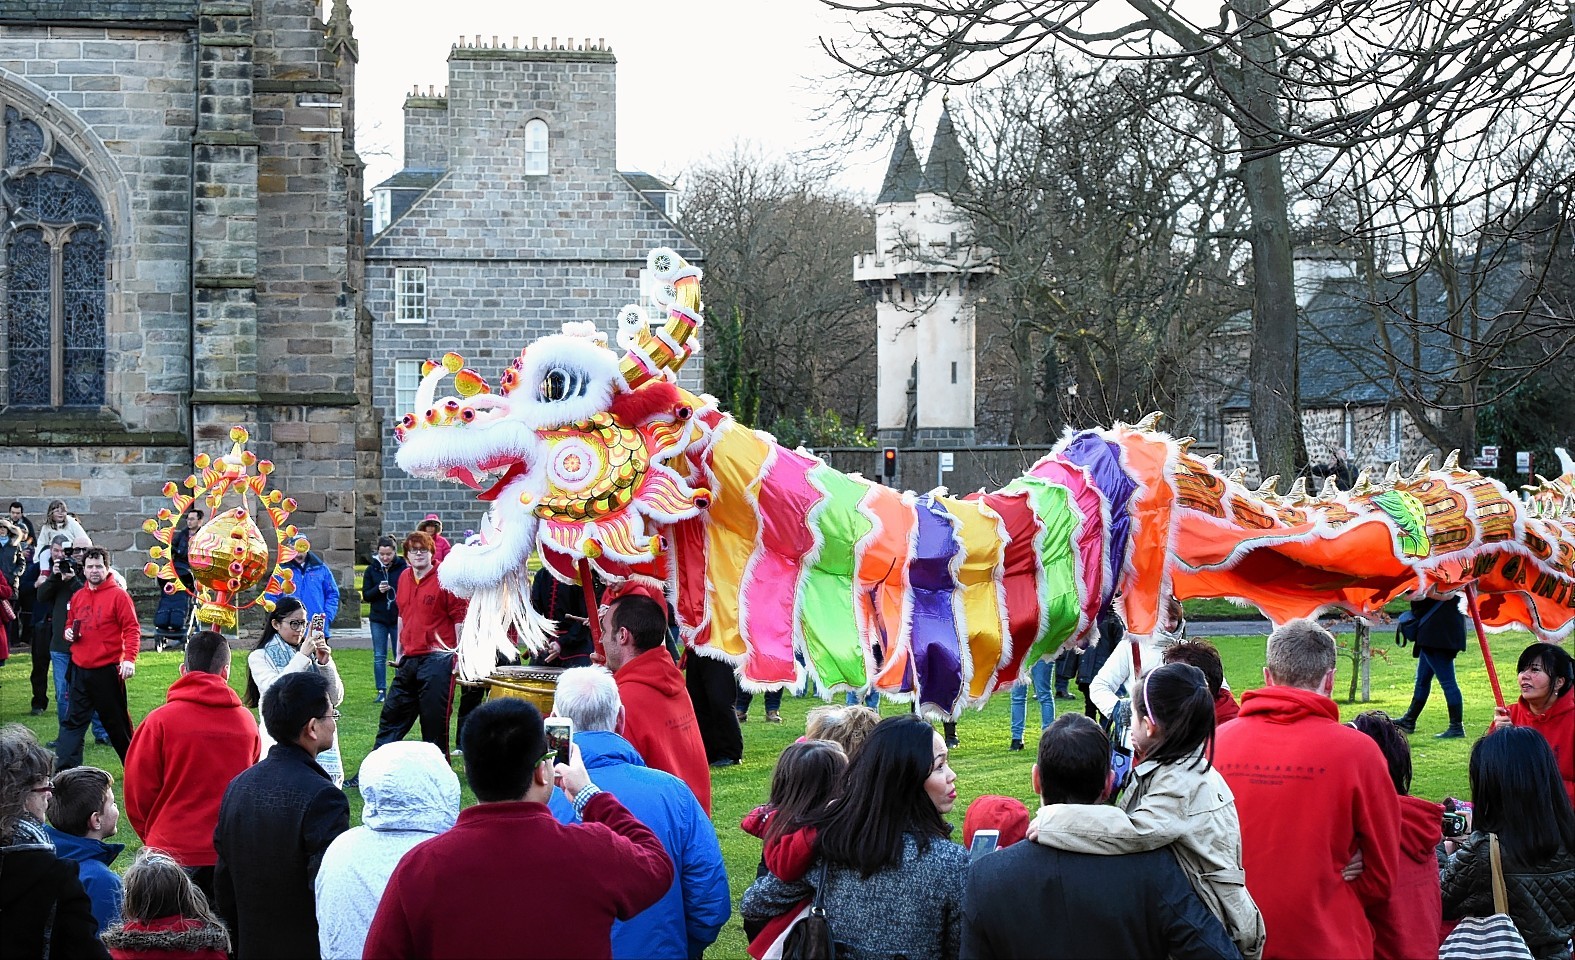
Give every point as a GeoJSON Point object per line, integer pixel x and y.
{"type": "Point", "coordinates": [1311, 795]}
{"type": "Point", "coordinates": [429, 630]}
{"type": "Point", "coordinates": [184, 755]}
{"type": "Point", "coordinates": [102, 628]}
{"type": "Point", "coordinates": [450, 896]}
{"type": "Point", "coordinates": [1547, 679]}
{"type": "Point", "coordinates": [659, 718]}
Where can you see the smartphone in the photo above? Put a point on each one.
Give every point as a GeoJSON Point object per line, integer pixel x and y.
{"type": "Point", "coordinates": [560, 734]}
{"type": "Point", "coordinates": [984, 841]}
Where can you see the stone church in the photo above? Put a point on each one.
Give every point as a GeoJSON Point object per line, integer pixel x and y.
{"type": "Point", "coordinates": [180, 252]}
{"type": "Point", "coordinates": [509, 217]}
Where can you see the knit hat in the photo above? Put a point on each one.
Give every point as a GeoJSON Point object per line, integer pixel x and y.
{"type": "Point", "coordinates": [432, 518]}
{"type": "Point", "coordinates": [992, 812]}
{"type": "Point", "coordinates": [636, 586]}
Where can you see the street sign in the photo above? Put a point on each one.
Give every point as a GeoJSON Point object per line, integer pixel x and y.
{"type": "Point", "coordinates": [946, 462]}
{"type": "Point", "coordinates": [1489, 459]}
{"type": "Point", "coordinates": [1522, 461]}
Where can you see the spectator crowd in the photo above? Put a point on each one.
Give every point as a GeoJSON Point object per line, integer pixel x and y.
{"type": "Point", "coordinates": [1172, 818]}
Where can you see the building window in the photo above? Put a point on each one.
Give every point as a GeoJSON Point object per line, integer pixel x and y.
{"type": "Point", "coordinates": [670, 205]}
{"type": "Point", "coordinates": [410, 295]}
{"type": "Point", "coordinates": [954, 371]}
{"type": "Point", "coordinates": [55, 278]}
{"type": "Point", "coordinates": [1348, 430]}
{"type": "Point", "coordinates": [382, 209]}
{"type": "Point", "coordinates": [407, 379]}
{"type": "Point", "coordinates": [536, 148]}
{"type": "Point", "coordinates": [1395, 435]}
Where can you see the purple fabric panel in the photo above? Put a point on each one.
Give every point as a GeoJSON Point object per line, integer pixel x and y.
{"type": "Point", "coordinates": [1103, 460]}
{"type": "Point", "coordinates": [937, 655]}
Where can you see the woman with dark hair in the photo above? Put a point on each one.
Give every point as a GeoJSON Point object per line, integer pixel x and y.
{"type": "Point", "coordinates": [891, 879]}
{"type": "Point", "coordinates": [1176, 799]}
{"type": "Point", "coordinates": [1547, 678]}
{"type": "Point", "coordinates": [46, 912]}
{"type": "Point", "coordinates": [1412, 910]}
{"type": "Point", "coordinates": [1515, 795]}
{"type": "Point", "coordinates": [288, 644]}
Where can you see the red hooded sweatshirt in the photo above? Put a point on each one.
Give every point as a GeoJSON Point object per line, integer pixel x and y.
{"type": "Point", "coordinates": [109, 633]}
{"type": "Point", "coordinates": [1557, 726]}
{"type": "Point", "coordinates": [659, 720]}
{"type": "Point", "coordinates": [181, 759]}
{"type": "Point", "coordinates": [1309, 793]}
{"type": "Point", "coordinates": [1225, 708]}
{"type": "Point", "coordinates": [1411, 924]}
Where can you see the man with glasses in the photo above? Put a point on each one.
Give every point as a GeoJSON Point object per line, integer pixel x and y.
{"type": "Point", "coordinates": [275, 822]}
{"type": "Point", "coordinates": [102, 629]}
{"type": "Point", "coordinates": [446, 897]}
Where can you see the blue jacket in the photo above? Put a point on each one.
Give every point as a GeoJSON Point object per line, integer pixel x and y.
{"type": "Point", "coordinates": [690, 915]}
{"type": "Point", "coordinates": [315, 588]}
{"type": "Point", "coordinates": [93, 858]}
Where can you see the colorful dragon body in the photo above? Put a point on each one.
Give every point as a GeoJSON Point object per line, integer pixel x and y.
{"type": "Point", "coordinates": [601, 462]}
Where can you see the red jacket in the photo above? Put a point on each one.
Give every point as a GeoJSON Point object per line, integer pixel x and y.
{"type": "Point", "coordinates": [659, 720]}
{"type": "Point", "coordinates": [110, 633]}
{"type": "Point", "coordinates": [1557, 726]}
{"type": "Point", "coordinates": [1309, 793]}
{"type": "Point", "coordinates": [451, 896]}
{"type": "Point", "coordinates": [789, 857]}
{"type": "Point", "coordinates": [1410, 926]}
{"type": "Point", "coordinates": [166, 938]}
{"type": "Point", "coordinates": [427, 614]}
{"type": "Point", "coordinates": [1225, 708]}
{"type": "Point", "coordinates": [180, 761]}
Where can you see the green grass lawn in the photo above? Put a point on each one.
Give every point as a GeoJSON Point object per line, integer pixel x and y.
{"type": "Point", "coordinates": [982, 761]}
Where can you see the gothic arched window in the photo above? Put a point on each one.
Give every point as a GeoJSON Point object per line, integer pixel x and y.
{"type": "Point", "coordinates": [55, 249]}
{"type": "Point", "coordinates": [536, 143]}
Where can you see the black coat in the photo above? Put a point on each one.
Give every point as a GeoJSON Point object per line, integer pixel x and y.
{"type": "Point", "coordinates": [275, 822]}
{"type": "Point", "coordinates": [54, 596]}
{"type": "Point", "coordinates": [35, 884]}
{"type": "Point", "coordinates": [382, 607]}
{"type": "Point", "coordinates": [1033, 901]}
{"type": "Point", "coordinates": [1541, 897]}
{"type": "Point", "coordinates": [1445, 626]}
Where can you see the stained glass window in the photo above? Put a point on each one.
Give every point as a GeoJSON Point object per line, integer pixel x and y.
{"type": "Point", "coordinates": [54, 281]}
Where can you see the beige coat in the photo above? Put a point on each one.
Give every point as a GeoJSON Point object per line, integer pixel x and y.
{"type": "Point", "coordinates": [1185, 805]}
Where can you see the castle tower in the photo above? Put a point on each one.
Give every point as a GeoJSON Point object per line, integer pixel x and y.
{"type": "Point", "coordinates": [922, 273]}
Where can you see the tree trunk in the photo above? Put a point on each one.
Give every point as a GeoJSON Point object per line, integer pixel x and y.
{"type": "Point", "coordinates": [1275, 400]}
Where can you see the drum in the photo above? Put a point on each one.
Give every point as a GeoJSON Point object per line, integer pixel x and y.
{"type": "Point", "coordinates": [535, 684]}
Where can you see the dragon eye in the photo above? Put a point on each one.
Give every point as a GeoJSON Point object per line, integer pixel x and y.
{"type": "Point", "coordinates": [561, 384]}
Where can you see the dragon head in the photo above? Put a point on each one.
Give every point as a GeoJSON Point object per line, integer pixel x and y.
{"type": "Point", "coordinates": [578, 450]}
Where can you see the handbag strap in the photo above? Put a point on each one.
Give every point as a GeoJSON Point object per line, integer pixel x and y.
{"type": "Point", "coordinates": [1500, 894]}
{"type": "Point", "coordinates": [818, 906]}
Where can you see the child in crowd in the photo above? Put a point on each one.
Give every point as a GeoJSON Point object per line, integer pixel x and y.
{"type": "Point", "coordinates": [165, 916]}
{"type": "Point", "coordinates": [847, 726]}
{"type": "Point", "coordinates": [805, 780]}
{"type": "Point", "coordinates": [1177, 798]}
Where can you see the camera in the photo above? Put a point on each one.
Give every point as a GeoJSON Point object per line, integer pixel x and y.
{"type": "Point", "coordinates": [1454, 825]}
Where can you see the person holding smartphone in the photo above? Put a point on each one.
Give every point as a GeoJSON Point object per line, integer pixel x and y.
{"type": "Point", "coordinates": [291, 643]}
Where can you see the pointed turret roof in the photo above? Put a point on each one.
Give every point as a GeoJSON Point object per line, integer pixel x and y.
{"type": "Point", "coordinates": [903, 175]}
{"type": "Point", "coordinates": [946, 172]}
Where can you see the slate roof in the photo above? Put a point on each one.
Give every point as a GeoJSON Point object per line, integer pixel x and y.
{"type": "Point", "coordinates": [946, 171]}
{"type": "Point", "coordinates": [1341, 357]}
{"type": "Point", "coordinates": [413, 178]}
{"type": "Point", "coordinates": [904, 176]}
{"type": "Point", "coordinates": [645, 182]}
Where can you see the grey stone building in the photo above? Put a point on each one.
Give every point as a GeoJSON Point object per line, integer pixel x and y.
{"type": "Point", "coordinates": [509, 217]}
{"type": "Point", "coordinates": [180, 252]}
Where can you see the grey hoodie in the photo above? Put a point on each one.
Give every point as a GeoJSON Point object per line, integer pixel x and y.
{"type": "Point", "coordinates": [411, 795]}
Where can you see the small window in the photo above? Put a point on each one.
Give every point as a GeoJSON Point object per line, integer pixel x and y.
{"type": "Point", "coordinates": [671, 206]}
{"type": "Point", "coordinates": [410, 295]}
{"type": "Point", "coordinates": [407, 379]}
{"type": "Point", "coordinates": [954, 371]}
{"type": "Point", "coordinates": [382, 209]}
{"type": "Point", "coordinates": [1395, 435]}
{"type": "Point", "coordinates": [536, 148]}
{"type": "Point", "coordinates": [1348, 429]}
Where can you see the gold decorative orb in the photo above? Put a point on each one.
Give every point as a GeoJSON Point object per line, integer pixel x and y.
{"type": "Point", "coordinates": [228, 553]}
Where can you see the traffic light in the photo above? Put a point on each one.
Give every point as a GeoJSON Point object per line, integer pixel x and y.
{"type": "Point", "coordinates": [888, 463]}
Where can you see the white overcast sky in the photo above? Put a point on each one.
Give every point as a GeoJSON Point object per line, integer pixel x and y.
{"type": "Point", "coordinates": [743, 69]}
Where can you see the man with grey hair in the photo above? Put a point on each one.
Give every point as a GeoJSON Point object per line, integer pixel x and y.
{"type": "Point", "coordinates": [1311, 795]}
{"type": "Point", "coordinates": [691, 913]}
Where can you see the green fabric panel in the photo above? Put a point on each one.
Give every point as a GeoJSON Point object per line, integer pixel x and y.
{"type": "Point", "coordinates": [826, 609]}
{"type": "Point", "coordinates": [1060, 596]}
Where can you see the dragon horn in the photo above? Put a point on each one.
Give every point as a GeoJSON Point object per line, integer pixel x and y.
{"type": "Point", "coordinates": [1363, 484]}
{"type": "Point", "coordinates": [1212, 461]}
{"type": "Point", "coordinates": [1566, 464]}
{"type": "Point", "coordinates": [679, 285]}
{"type": "Point", "coordinates": [1266, 488]}
{"type": "Point", "coordinates": [1392, 475]}
{"type": "Point", "coordinates": [1422, 467]}
{"type": "Point", "coordinates": [1150, 421]}
{"type": "Point", "coordinates": [1452, 462]}
{"type": "Point", "coordinates": [1185, 443]}
{"type": "Point", "coordinates": [1298, 493]}
{"type": "Point", "coordinates": [1238, 475]}
{"type": "Point", "coordinates": [1330, 489]}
